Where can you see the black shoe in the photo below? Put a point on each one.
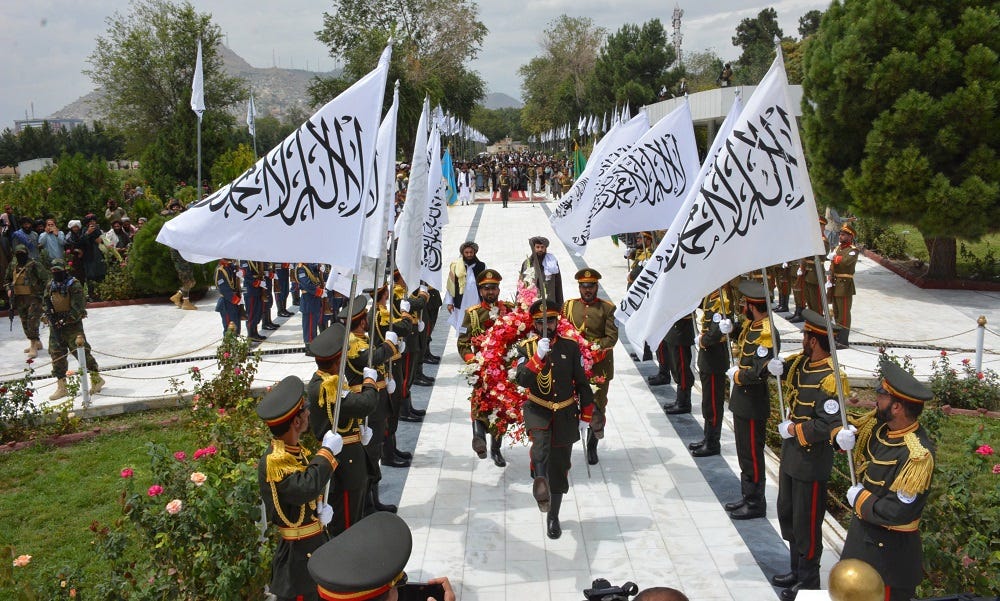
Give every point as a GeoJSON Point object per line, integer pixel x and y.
{"type": "Point", "coordinates": [784, 580]}
{"type": "Point", "coordinates": [270, 326]}
{"type": "Point", "coordinates": [554, 529]}
{"type": "Point", "coordinates": [479, 438]}
{"type": "Point", "coordinates": [422, 380]}
{"type": "Point", "coordinates": [377, 505]}
{"type": "Point", "coordinates": [284, 313]}
{"type": "Point", "coordinates": [749, 512]}
{"type": "Point", "coordinates": [406, 456]}
{"type": "Point", "coordinates": [790, 593]}
{"type": "Point", "coordinates": [540, 490]}
{"type": "Point", "coordinates": [735, 504]}
{"type": "Point", "coordinates": [417, 412]}
{"type": "Point", "coordinates": [394, 461]}
{"type": "Point", "coordinates": [796, 317]}
{"type": "Point", "coordinates": [256, 338]}
{"type": "Point", "coordinates": [658, 380]}
{"type": "Point", "coordinates": [694, 445]}
{"type": "Point", "coordinates": [677, 409]}
{"type": "Point", "coordinates": [498, 459]}
{"type": "Point", "coordinates": [705, 451]}
{"type": "Point", "coordinates": [432, 360]}
{"type": "Point", "coordinates": [409, 417]}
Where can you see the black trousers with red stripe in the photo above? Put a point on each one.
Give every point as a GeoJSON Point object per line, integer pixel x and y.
{"type": "Point", "coordinates": [750, 453]}
{"type": "Point", "coordinates": [714, 390]}
{"type": "Point", "coordinates": [801, 508]}
{"type": "Point", "coordinates": [679, 359]}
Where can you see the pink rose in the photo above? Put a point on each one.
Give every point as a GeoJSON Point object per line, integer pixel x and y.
{"type": "Point", "coordinates": [966, 361]}
{"type": "Point", "coordinates": [980, 375]}
{"type": "Point", "coordinates": [222, 411]}
{"type": "Point", "coordinates": [127, 472]}
{"type": "Point", "coordinates": [180, 456]}
{"type": "Point", "coordinates": [155, 490]}
{"type": "Point", "coordinates": [225, 355]}
{"type": "Point", "coordinates": [984, 450]}
{"type": "Point", "coordinates": [22, 560]}
{"type": "Point", "coordinates": [237, 371]}
{"type": "Point", "coordinates": [174, 507]}
{"type": "Point", "coordinates": [996, 469]}
{"type": "Point", "coordinates": [195, 369]}
{"type": "Point", "coordinates": [198, 478]}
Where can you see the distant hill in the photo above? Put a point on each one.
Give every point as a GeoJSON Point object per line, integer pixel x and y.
{"type": "Point", "coordinates": [276, 91]}
{"type": "Point", "coordinates": [499, 100]}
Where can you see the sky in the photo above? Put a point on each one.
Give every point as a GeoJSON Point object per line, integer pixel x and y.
{"type": "Point", "coordinates": [45, 43]}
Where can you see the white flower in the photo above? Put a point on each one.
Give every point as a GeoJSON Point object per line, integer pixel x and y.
{"type": "Point", "coordinates": [494, 312]}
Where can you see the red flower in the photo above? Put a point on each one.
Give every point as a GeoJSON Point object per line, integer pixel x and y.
{"type": "Point", "coordinates": [222, 411]}
{"type": "Point", "coordinates": [195, 369]}
{"type": "Point", "coordinates": [984, 450]}
{"type": "Point", "coordinates": [944, 353]}
{"type": "Point", "coordinates": [966, 361]}
{"type": "Point", "coordinates": [996, 469]}
{"type": "Point", "coordinates": [155, 490]}
{"type": "Point", "coordinates": [980, 375]}
{"type": "Point", "coordinates": [127, 472]}
{"type": "Point", "coordinates": [180, 456]}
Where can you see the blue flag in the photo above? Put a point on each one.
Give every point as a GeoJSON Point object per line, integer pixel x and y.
{"type": "Point", "coordinates": [448, 170]}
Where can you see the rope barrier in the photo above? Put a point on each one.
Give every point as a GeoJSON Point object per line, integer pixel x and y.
{"type": "Point", "coordinates": [175, 355]}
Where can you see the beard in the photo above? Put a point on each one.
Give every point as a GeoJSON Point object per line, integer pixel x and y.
{"type": "Point", "coordinates": [471, 261]}
{"type": "Point", "coordinates": [883, 416]}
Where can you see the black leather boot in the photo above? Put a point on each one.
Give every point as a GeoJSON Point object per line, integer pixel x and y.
{"type": "Point", "coordinates": [554, 529]}
{"type": "Point", "coordinates": [755, 507]}
{"type": "Point", "coordinates": [659, 379]}
{"type": "Point", "coordinates": [540, 487]}
{"type": "Point", "coordinates": [797, 316]}
{"type": "Point", "coordinates": [401, 454]}
{"type": "Point", "coordinates": [498, 459]}
{"type": "Point", "coordinates": [376, 504]}
{"type": "Point", "coordinates": [683, 404]}
{"type": "Point", "coordinates": [479, 438]}
{"type": "Point", "coordinates": [782, 304]}
{"type": "Point", "coordinates": [591, 447]}
{"type": "Point", "coordinates": [696, 444]}
{"type": "Point", "coordinates": [406, 413]}
{"type": "Point", "coordinates": [389, 457]}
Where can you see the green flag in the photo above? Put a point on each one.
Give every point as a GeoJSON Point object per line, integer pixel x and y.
{"type": "Point", "coordinates": [579, 161]}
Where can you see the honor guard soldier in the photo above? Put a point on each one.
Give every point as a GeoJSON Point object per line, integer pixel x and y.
{"type": "Point", "coordinates": [750, 399]}
{"type": "Point", "coordinates": [894, 456]}
{"type": "Point", "coordinates": [227, 281]}
{"type": "Point", "coordinates": [26, 279]}
{"type": "Point", "coordinates": [398, 319]}
{"type": "Point", "coordinates": [560, 403]}
{"type": "Point", "coordinates": [810, 389]}
{"type": "Point", "coordinates": [477, 320]}
{"type": "Point", "coordinates": [814, 299]}
{"type": "Point", "coordinates": [594, 318]}
{"type": "Point", "coordinates": [407, 369]}
{"type": "Point", "coordinates": [291, 487]}
{"type": "Point", "coordinates": [676, 345]}
{"type": "Point", "coordinates": [349, 489]}
{"type": "Point", "coordinates": [312, 290]}
{"type": "Point", "coordinates": [282, 272]}
{"type": "Point", "coordinates": [359, 352]}
{"type": "Point", "coordinates": [840, 281]}
{"type": "Point", "coordinates": [65, 307]}
{"type": "Point", "coordinates": [254, 291]}
{"type": "Point", "coordinates": [713, 361]}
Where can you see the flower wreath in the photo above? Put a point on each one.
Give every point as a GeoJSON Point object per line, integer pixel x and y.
{"type": "Point", "coordinates": [495, 393]}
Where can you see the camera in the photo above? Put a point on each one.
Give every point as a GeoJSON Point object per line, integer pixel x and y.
{"type": "Point", "coordinates": [601, 590]}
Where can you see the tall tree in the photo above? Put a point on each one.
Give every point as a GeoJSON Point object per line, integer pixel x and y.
{"type": "Point", "coordinates": [899, 111]}
{"type": "Point", "coordinates": [702, 70]}
{"type": "Point", "coordinates": [433, 44]}
{"type": "Point", "coordinates": [144, 64]}
{"type": "Point", "coordinates": [497, 124]}
{"type": "Point", "coordinates": [809, 23]}
{"type": "Point", "coordinates": [554, 84]}
{"type": "Point", "coordinates": [756, 38]}
{"type": "Point", "coordinates": [632, 66]}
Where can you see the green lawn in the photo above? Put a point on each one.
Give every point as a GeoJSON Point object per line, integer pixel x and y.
{"type": "Point", "coordinates": [49, 496]}
{"type": "Point", "coordinates": [915, 247]}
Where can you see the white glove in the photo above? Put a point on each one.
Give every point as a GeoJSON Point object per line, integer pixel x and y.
{"type": "Point", "coordinates": [831, 255]}
{"type": "Point", "coordinates": [366, 435]}
{"type": "Point", "coordinates": [783, 429]}
{"type": "Point", "coordinates": [853, 492]}
{"type": "Point", "coordinates": [392, 337]}
{"type": "Point", "coordinates": [333, 441]}
{"type": "Point", "coordinates": [847, 437]}
{"type": "Point", "coordinates": [697, 341]}
{"type": "Point", "coordinates": [726, 326]}
{"type": "Point", "coordinates": [404, 306]}
{"type": "Point", "coordinates": [799, 272]}
{"type": "Point", "coordinates": [731, 373]}
{"type": "Point", "coordinates": [776, 367]}
{"type": "Point", "coordinates": [402, 347]}
{"type": "Point", "coordinates": [423, 288]}
{"type": "Point", "coordinates": [324, 512]}
{"type": "Point", "coordinates": [829, 284]}
{"type": "Point", "coordinates": [370, 372]}
{"type": "Point", "coordinates": [263, 284]}
{"type": "Point", "coordinates": [543, 348]}
{"type": "Point", "coordinates": [323, 294]}
{"type": "Point", "coordinates": [784, 265]}
{"type": "Point", "coordinates": [420, 326]}
{"type": "Point", "coordinates": [390, 385]}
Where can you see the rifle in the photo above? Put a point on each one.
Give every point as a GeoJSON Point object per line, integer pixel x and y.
{"type": "Point", "coordinates": [10, 308]}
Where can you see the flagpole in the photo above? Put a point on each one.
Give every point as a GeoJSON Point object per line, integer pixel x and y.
{"type": "Point", "coordinates": [199, 157]}
{"type": "Point", "coordinates": [775, 338]}
{"type": "Point", "coordinates": [836, 362]}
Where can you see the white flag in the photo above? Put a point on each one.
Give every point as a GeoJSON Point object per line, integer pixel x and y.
{"type": "Point", "coordinates": [303, 201]}
{"type": "Point", "coordinates": [754, 209]}
{"type": "Point", "coordinates": [198, 86]}
{"type": "Point", "coordinates": [638, 293]}
{"type": "Point", "coordinates": [436, 216]}
{"type": "Point", "coordinates": [570, 217]}
{"type": "Point", "coordinates": [645, 187]}
{"type": "Point", "coordinates": [409, 226]}
{"type": "Point", "coordinates": [252, 116]}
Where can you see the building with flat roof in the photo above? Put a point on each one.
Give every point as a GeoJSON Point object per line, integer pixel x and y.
{"type": "Point", "coordinates": [56, 124]}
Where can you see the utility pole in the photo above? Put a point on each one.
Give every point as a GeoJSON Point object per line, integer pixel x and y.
{"type": "Point", "coordinates": [678, 37]}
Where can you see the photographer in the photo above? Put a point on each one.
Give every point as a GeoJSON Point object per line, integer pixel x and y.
{"type": "Point", "coordinates": [366, 562]}
{"type": "Point", "coordinates": [52, 243]}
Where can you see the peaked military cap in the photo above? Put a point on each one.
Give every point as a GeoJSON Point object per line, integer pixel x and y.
{"type": "Point", "coordinates": [587, 276]}
{"type": "Point", "coordinates": [329, 342]}
{"type": "Point", "coordinates": [364, 561]}
{"type": "Point", "coordinates": [848, 229]}
{"type": "Point", "coordinates": [360, 308]}
{"type": "Point", "coordinates": [901, 384]}
{"type": "Point", "coordinates": [753, 291]}
{"type": "Point", "coordinates": [488, 276]}
{"type": "Point", "coordinates": [282, 402]}
{"type": "Point", "coordinates": [815, 323]}
{"type": "Point", "coordinates": [551, 309]}
{"type": "Point", "coordinates": [57, 265]}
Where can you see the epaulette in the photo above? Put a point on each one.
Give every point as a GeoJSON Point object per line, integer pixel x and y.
{"type": "Point", "coordinates": [915, 477]}
{"type": "Point", "coordinates": [328, 390]}
{"type": "Point", "coordinates": [829, 383]}
{"type": "Point", "coordinates": [356, 346]}
{"type": "Point", "coordinates": [765, 339]}
{"type": "Point", "coordinates": [865, 425]}
{"type": "Point", "coordinates": [281, 463]}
